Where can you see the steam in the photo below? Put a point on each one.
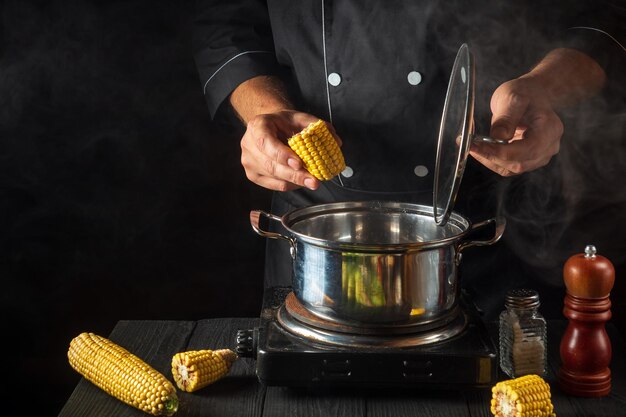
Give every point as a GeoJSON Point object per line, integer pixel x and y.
{"type": "Point", "coordinates": [580, 197]}
{"type": "Point", "coordinates": [60, 69]}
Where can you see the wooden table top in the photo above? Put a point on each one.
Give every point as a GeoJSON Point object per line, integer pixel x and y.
{"type": "Point", "coordinates": [240, 393]}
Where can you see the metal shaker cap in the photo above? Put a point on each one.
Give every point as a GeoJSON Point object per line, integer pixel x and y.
{"type": "Point", "coordinates": [522, 298]}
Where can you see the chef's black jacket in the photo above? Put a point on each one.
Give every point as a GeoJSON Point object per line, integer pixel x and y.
{"type": "Point", "coordinates": [378, 70]}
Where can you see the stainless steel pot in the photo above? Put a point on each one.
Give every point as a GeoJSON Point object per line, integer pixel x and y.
{"type": "Point", "coordinates": [376, 264]}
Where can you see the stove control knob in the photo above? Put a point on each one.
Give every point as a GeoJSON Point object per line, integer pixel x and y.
{"type": "Point", "coordinates": [246, 343]}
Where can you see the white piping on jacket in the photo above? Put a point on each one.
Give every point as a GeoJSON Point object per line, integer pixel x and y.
{"type": "Point", "coordinates": [227, 62]}
{"type": "Point", "coordinates": [330, 112]}
{"type": "Point", "coordinates": [601, 31]}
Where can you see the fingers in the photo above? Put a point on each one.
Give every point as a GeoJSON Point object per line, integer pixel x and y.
{"type": "Point", "coordinates": [272, 183]}
{"type": "Point", "coordinates": [270, 174]}
{"type": "Point", "coordinates": [532, 146]}
{"type": "Point", "coordinates": [267, 161]}
{"type": "Point", "coordinates": [262, 139]}
{"type": "Point", "coordinates": [508, 109]}
{"type": "Point", "coordinates": [522, 115]}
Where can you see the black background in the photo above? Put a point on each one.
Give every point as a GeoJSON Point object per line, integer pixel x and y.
{"type": "Point", "coordinates": [120, 199]}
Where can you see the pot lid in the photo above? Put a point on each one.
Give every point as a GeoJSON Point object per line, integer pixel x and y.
{"type": "Point", "coordinates": [455, 133]}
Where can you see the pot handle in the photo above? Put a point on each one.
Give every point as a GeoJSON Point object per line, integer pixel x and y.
{"type": "Point", "coordinates": [255, 220]}
{"type": "Point", "coordinates": [500, 224]}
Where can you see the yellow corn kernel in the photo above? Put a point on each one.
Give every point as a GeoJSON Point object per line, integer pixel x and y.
{"type": "Point", "coordinates": [319, 151]}
{"type": "Point", "coordinates": [417, 311]}
{"type": "Point", "coordinates": [527, 396]}
{"type": "Point", "coordinates": [198, 368]}
{"type": "Point", "coordinates": [122, 374]}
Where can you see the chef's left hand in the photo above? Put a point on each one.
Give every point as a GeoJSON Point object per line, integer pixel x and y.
{"type": "Point", "coordinates": [524, 115]}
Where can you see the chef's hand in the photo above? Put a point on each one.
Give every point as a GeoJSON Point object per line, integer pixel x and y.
{"type": "Point", "coordinates": [524, 111]}
{"type": "Point", "coordinates": [262, 105]}
{"type": "Point", "coordinates": [522, 114]}
{"type": "Point", "coordinates": [267, 160]}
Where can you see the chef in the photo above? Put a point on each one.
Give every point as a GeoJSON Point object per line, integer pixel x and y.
{"type": "Point", "coordinates": [377, 71]}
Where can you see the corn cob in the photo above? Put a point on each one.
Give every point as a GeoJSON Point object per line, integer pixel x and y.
{"type": "Point", "coordinates": [319, 151]}
{"type": "Point", "coordinates": [198, 368]}
{"type": "Point", "coordinates": [527, 396]}
{"type": "Point", "coordinates": [122, 374]}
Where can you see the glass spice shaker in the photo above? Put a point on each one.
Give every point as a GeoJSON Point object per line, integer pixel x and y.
{"type": "Point", "coordinates": [523, 335]}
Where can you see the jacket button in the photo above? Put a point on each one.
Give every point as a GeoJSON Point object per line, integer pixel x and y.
{"type": "Point", "coordinates": [414, 78]}
{"type": "Point", "coordinates": [420, 171]}
{"type": "Point", "coordinates": [347, 172]}
{"type": "Point", "coordinates": [334, 79]}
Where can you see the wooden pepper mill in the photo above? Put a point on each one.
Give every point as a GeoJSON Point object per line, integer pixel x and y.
{"type": "Point", "coordinates": [585, 347]}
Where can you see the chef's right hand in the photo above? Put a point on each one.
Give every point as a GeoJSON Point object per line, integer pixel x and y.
{"type": "Point", "coordinates": [267, 160]}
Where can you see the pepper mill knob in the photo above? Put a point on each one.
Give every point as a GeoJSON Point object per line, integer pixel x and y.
{"type": "Point", "coordinates": [589, 275]}
{"type": "Point", "coordinates": [585, 347]}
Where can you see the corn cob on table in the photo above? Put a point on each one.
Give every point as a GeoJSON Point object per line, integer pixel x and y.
{"type": "Point", "coordinates": [239, 393]}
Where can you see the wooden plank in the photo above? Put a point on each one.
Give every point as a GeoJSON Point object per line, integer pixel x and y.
{"type": "Point", "coordinates": [237, 394]}
{"type": "Point", "coordinates": [153, 341]}
{"type": "Point", "coordinates": [240, 393]}
{"type": "Point", "coordinates": [479, 402]}
{"type": "Point", "coordinates": [426, 403]}
{"type": "Point", "coordinates": [281, 401]}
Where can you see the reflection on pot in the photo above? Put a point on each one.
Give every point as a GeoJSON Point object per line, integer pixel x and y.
{"type": "Point", "coordinates": [376, 263]}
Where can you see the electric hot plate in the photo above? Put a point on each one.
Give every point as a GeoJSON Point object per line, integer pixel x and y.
{"type": "Point", "coordinates": [293, 348]}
